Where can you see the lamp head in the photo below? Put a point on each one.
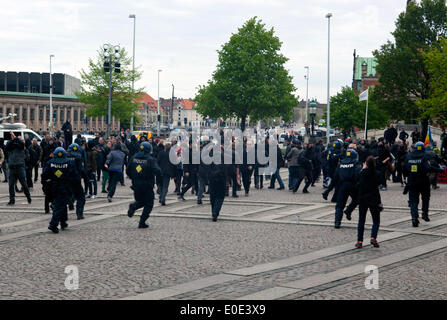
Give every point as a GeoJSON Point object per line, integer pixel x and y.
{"type": "Point", "coordinates": [329, 15]}
{"type": "Point", "coordinates": [132, 16]}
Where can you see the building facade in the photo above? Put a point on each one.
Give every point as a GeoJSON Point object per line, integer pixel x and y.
{"type": "Point", "coordinates": [27, 95]}
{"type": "Point", "coordinates": [364, 73]}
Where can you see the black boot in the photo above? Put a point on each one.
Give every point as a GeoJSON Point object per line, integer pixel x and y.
{"type": "Point", "coordinates": [53, 228]}
{"type": "Point", "coordinates": [415, 223]}
{"type": "Point", "coordinates": [131, 211]}
{"type": "Point", "coordinates": [425, 217]}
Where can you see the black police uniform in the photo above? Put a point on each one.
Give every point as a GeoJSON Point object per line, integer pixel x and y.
{"type": "Point", "coordinates": [142, 169]}
{"type": "Point", "coordinates": [417, 168]}
{"type": "Point", "coordinates": [77, 190]}
{"type": "Point", "coordinates": [59, 174]}
{"type": "Point", "coordinates": [346, 177]}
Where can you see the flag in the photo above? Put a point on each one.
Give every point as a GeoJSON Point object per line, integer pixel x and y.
{"type": "Point", "coordinates": [428, 138]}
{"type": "Point", "coordinates": [364, 95]}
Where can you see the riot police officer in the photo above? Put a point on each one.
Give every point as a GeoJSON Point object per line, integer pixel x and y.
{"type": "Point", "coordinates": [346, 178]}
{"type": "Point", "coordinates": [59, 172]}
{"type": "Point", "coordinates": [142, 169]}
{"type": "Point", "coordinates": [417, 168]}
{"type": "Point", "coordinates": [75, 155]}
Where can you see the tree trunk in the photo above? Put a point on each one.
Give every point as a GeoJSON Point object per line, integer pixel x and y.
{"type": "Point", "coordinates": [243, 123]}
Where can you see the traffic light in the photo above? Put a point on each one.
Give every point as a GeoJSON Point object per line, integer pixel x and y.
{"type": "Point", "coordinates": [158, 117]}
{"type": "Point", "coordinates": [106, 66]}
{"type": "Point", "coordinates": [185, 120]}
{"type": "Point", "coordinates": [117, 67]}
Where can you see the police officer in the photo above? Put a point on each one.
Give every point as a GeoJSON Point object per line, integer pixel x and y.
{"type": "Point", "coordinates": [142, 169]}
{"type": "Point", "coordinates": [59, 172]}
{"type": "Point", "coordinates": [75, 155]}
{"type": "Point", "coordinates": [346, 178]}
{"type": "Point", "coordinates": [417, 168]}
{"type": "Point", "coordinates": [16, 167]}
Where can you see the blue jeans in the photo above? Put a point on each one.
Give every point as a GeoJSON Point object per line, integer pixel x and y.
{"type": "Point", "coordinates": [276, 176]}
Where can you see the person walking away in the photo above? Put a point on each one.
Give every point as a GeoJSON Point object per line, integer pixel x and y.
{"type": "Point", "coordinates": [92, 156]}
{"type": "Point", "coordinates": [78, 193]}
{"type": "Point", "coordinates": [217, 186]}
{"type": "Point", "coordinates": [38, 151]}
{"type": "Point", "coordinates": [142, 170]}
{"type": "Point", "coordinates": [114, 163]}
{"type": "Point", "coordinates": [417, 168]}
{"type": "Point", "coordinates": [68, 133]}
{"type": "Point", "coordinates": [403, 136]}
{"type": "Point", "coordinates": [168, 171]}
{"type": "Point", "coordinates": [59, 174]}
{"type": "Point", "coordinates": [16, 164]}
{"type": "Point", "coordinates": [369, 198]}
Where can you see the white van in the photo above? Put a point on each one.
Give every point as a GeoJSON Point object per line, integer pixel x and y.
{"type": "Point", "coordinates": [19, 129]}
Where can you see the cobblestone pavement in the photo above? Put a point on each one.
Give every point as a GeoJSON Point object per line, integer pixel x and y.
{"type": "Point", "coordinates": [270, 245]}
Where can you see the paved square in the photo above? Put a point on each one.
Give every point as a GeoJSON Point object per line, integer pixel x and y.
{"type": "Point", "coordinates": [270, 245]}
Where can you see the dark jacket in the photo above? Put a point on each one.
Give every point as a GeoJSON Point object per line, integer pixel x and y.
{"type": "Point", "coordinates": [369, 183]}
{"type": "Point", "coordinates": [16, 153]}
{"type": "Point", "coordinates": [167, 168]}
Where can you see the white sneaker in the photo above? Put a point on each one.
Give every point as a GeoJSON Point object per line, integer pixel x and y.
{"type": "Point", "coordinates": [93, 196]}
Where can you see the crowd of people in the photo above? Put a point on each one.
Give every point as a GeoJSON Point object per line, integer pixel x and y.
{"type": "Point", "coordinates": [351, 168]}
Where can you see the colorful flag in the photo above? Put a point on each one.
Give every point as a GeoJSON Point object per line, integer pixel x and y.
{"type": "Point", "coordinates": [364, 95]}
{"type": "Point", "coordinates": [428, 138]}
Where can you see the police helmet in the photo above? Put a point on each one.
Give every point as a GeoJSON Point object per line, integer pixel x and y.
{"type": "Point", "coordinates": [351, 154]}
{"type": "Point", "coordinates": [73, 147]}
{"type": "Point", "coordinates": [419, 147]}
{"type": "Point", "coordinates": [336, 144]}
{"type": "Point", "coordinates": [146, 147]}
{"type": "Point", "coordinates": [59, 153]}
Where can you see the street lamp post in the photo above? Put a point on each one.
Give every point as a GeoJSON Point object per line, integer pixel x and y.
{"type": "Point", "coordinates": [328, 120]}
{"type": "Point", "coordinates": [132, 16]}
{"type": "Point", "coordinates": [313, 112]}
{"type": "Point", "coordinates": [51, 97]}
{"type": "Point", "coordinates": [172, 106]}
{"type": "Point", "coordinates": [158, 103]}
{"type": "Point", "coordinates": [307, 91]}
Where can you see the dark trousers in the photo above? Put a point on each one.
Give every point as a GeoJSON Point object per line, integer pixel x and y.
{"type": "Point", "coordinates": [115, 177]}
{"type": "Point", "coordinates": [98, 173]}
{"type": "Point", "coordinates": [20, 175]}
{"type": "Point", "coordinates": [178, 180]}
{"type": "Point", "coordinates": [36, 172]}
{"type": "Point", "coordinates": [246, 178]}
{"type": "Point", "coordinates": [315, 174]}
{"type": "Point", "coordinates": [164, 188]}
{"type": "Point", "coordinates": [78, 195]}
{"type": "Point", "coordinates": [202, 185]}
{"type": "Point", "coordinates": [144, 198]}
{"type": "Point", "coordinates": [303, 173]}
{"type": "Point", "coordinates": [375, 213]}
{"type": "Point", "coordinates": [259, 178]}
{"type": "Point", "coordinates": [5, 170]}
{"type": "Point", "coordinates": [216, 204]}
{"type": "Point", "coordinates": [92, 183]}
{"type": "Point", "coordinates": [59, 207]}
{"type": "Point", "coordinates": [423, 190]}
{"type": "Point", "coordinates": [191, 180]}
{"type": "Point", "coordinates": [345, 190]}
{"type": "Point", "coordinates": [29, 176]}
{"type": "Point", "coordinates": [232, 179]}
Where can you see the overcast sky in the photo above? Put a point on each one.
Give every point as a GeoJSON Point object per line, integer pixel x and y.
{"type": "Point", "coordinates": [181, 36]}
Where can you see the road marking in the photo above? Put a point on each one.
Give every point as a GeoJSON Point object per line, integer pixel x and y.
{"type": "Point", "coordinates": [184, 287]}
{"type": "Point", "coordinates": [343, 273]}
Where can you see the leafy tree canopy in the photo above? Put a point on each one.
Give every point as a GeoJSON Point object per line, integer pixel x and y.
{"type": "Point", "coordinates": [94, 91]}
{"type": "Point", "coordinates": [250, 79]}
{"type": "Point", "coordinates": [404, 77]}
{"type": "Point", "coordinates": [348, 112]}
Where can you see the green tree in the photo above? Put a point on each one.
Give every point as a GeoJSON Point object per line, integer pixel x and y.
{"type": "Point", "coordinates": [436, 105]}
{"type": "Point", "coordinates": [250, 79]}
{"type": "Point", "coordinates": [94, 91]}
{"type": "Point", "coordinates": [404, 77]}
{"type": "Point", "coordinates": [348, 112]}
